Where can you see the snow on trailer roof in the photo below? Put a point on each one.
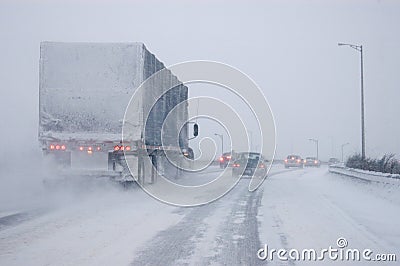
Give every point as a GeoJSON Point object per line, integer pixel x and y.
{"type": "Point", "coordinates": [85, 87]}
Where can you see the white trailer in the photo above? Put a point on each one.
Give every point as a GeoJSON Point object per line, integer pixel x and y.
{"type": "Point", "coordinates": [84, 90]}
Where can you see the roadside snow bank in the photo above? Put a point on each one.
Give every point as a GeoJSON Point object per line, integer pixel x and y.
{"type": "Point", "coordinates": [312, 209]}
{"type": "Point", "coordinates": [369, 176]}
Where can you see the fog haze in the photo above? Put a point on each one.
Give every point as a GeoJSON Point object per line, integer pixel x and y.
{"type": "Point", "coordinates": [289, 48]}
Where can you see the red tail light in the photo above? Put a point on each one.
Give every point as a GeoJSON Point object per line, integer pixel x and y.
{"type": "Point", "coordinates": [128, 148]}
{"type": "Point", "coordinates": [221, 159]}
{"type": "Point", "coordinates": [315, 161]}
{"type": "Point", "coordinates": [116, 148]}
{"type": "Point", "coordinates": [298, 160]}
{"type": "Point", "coordinates": [285, 160]}
{"type": "Point", "coordinates": [98, 148]}
{"type": "Point", "coordinates": [261, 166]}
{"type": "Point", "coordinates": [89, 148]}
{"type": "Point", "coordinates": [81, 148]}
{"type": "Point", "coordinates": [236, 165]}
{"type": "Point", "coordinates": [58, 147]}
{"type": "Point", "coordinates": [228, 157]}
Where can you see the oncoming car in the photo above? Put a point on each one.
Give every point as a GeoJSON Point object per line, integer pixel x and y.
{"type": "Point", "coordinates": [312, 162]}
{"type": "Point", "coordinates": [249, 164]}
{"type": "Point", "coordinates": [293, 161]}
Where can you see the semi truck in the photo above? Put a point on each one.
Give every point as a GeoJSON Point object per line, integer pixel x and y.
{"type": "Point", "coordinates": [84, 90]}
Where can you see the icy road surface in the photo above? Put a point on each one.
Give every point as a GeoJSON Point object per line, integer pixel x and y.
{"type": "Point", "coordinates": [302, 208]}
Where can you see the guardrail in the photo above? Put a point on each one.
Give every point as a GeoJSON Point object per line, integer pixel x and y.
{"type": "Point", "coordinates": [368, 176]}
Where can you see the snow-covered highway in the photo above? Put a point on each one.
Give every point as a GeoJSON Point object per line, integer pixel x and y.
{"type": "Point", "coordinates": [293, 209]}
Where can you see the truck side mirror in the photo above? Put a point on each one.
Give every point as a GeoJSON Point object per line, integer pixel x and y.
{"type": "Point", "coordinates": [195, 130]}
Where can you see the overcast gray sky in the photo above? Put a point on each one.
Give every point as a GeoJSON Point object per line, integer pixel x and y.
{"type": "Point", "coordinates": [289, 48]}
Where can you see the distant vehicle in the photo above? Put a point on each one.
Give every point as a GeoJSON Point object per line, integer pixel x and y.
{"type": "Point", "coordinates": [249, 164]}
{"type": "Point", "coordinates": [188, 153]}
{"type": "Point", "coordinates": [312, 162]}
{"type": "Point", "coordinates": [225, 159]}
{"type": "Point", "coordinates": [333, 161]}
{"type": "Point", "coordinates": [293, 161]}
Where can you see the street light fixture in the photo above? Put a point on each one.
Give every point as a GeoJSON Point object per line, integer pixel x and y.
{"type": "Point", "coordinates": [345, 144]}
{"type": "Point", "coordinates": [360, 49]}
{"type": "Point", "coordinates": [222, 141]}
{"type": "Point", "coordinates": [316, 142]}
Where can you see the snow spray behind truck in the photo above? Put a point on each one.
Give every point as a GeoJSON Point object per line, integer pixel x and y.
{"type": "Point", "coordinates": [84, 89]}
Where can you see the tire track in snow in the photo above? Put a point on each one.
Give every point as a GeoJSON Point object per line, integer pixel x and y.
{"type": "Point", "coordinates": [283, 238]}
{"type": "Point", "coordinates": [239, 238]}
{"type": "Point", "coordinates": [177, 244]}
{"type": "Point", "coordinates": [15, 219]}
{"type": "Point", "coordinates": [235, 242]}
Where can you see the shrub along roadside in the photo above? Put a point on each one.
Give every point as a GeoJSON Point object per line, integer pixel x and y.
{"type": "Point", "coordinates": [387, 164]}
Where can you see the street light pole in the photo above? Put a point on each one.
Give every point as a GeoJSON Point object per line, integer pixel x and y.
{"type": "Point", "coordinates": [316, 142]}
{"type": "Point", "coordinates": [342, 150]}
{"type": "Point", "coordinates": [360, 49]}
{"type": "Point", "coordinates": [362, 106]}
{"type": "Point", "coordinates": [251, 139]}
{"type": "Point", "coordinates": [222, 141]}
